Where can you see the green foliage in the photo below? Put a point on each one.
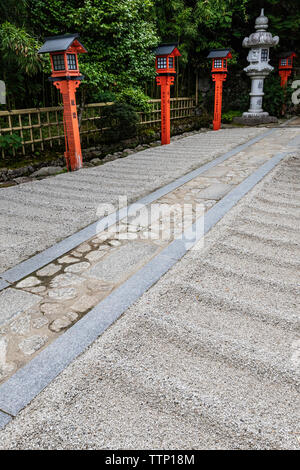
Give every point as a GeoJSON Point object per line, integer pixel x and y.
{"type": "Point", "coordinates": [9, 142]}
{"type": "Point", "coordinates": [119, 37]}
{"type": "Point", "coordinates": [13, 11]}
{"type": "Point", "coordinates": [227, 118]}
{"type": "Point", "coordinates": [18, 52]}
{"type": "Point", "coordinates": [284, 17]}
{"type": "Point", "coordinates": [236, 91]}
{"type": "Point", "coordinates": [204, 120]}
{"type": "Point", "coordinates": [19, 48]}
{"type": "Point", "coordinates": [147, 133]}
{"type": "Point", "coordinates": [274, 98]}
{"type": "Point", "coordinates": [99, 96]}
{"type": "Point", "coordinates": [136, 98]}
{"type": "Point", "coordinates": [121, 120]}
{"type": "Point", "coordinates": [199, 25]}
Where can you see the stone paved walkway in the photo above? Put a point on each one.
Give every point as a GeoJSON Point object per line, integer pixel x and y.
{"type": "Point", "coordinates": [208, 358]}
{"type": "Point", "coordinates": [37, 309]}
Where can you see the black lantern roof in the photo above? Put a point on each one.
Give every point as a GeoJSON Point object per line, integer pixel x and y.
{"type": "Point", "coordinates": [285, 55]}
{"type": "Point", "coordinates": [218, 53]}
{"type": "Point", "coordinates": [166, 49]}
{"type": "Point", "coordinates": [61, 44]}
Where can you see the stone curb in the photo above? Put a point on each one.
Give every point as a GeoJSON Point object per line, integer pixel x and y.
{"type": "Point", "coordinates": [4, 419]}
{"type": "Point", "coordinates": [3, 284]}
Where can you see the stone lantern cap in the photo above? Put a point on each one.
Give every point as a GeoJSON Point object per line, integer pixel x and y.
{"type": "Point", "coordinates": [261, 38]}
{"type": "Point", "coordinates": [262, 22]}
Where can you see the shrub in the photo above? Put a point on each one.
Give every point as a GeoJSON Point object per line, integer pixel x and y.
{"type": "Point", "coordinates": [275, 96]}
{"type": "Point", "coordinates": [148, 133]}
{"type": "Point", "coordinates": [228, 117]}
{"type": "Point", "coordinates": [203, 118]}
{"type": "Point", "coordinates": [136, 98]}
{"type": "Point", "coordinates": [102, 97]}
{"type": "Point", "coordinates": [122, 121]}
{"type": "Point", "coordinates": [236, 92]}
{"type": "Point", "coordinates": [9, 142]}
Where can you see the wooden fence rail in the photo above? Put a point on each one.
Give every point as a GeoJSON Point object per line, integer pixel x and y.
{"type": "Point", "coordinates": [43, 128]}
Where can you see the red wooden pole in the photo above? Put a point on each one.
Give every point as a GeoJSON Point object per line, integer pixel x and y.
{"type": "Point", "coordinates": [73, 152]}
{"type": "Point", "coordinates": [284, 75]}
{"type": "Point", "coordinates": [218, 78]}
{"type": "Point", "coordinates": [165, 81]}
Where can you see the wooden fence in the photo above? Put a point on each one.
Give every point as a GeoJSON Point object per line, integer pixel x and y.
{"type": "Point", "coordinates": [43, 128]}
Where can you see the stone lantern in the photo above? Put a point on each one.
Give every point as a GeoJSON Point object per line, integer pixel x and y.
{"type": "Point", "coordinates": [259, 44]}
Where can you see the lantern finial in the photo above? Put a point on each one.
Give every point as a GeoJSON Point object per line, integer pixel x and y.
{"type": "Point", "coordinates": [262, 22]}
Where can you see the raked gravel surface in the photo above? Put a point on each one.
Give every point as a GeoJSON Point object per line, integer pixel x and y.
{"type": "Point", "coordinates": [208, 358]}
{"type": "Point", "coordinates": [34, 216]}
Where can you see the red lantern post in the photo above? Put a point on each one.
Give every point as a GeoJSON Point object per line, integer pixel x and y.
{"type": "Point", "coordinates": [286, 66]}
{"type": "Point", "coordinates": [219, 74]}
{"type": "Point", "coordinates": [66, 78]}
{"type": "Point", "coordinates": [165, 67]}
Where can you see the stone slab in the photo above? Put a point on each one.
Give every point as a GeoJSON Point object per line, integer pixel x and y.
{"type": "Point", "coordinates": [254, 120]}
{"type": "Point", "coordinates": [257, 160]}
{"type": "Point", "coordinates": [215, 191]}
{"type": "Point", "coordinates": [4, 420]}
{"type": "Point", "coordinates": [48, 171]}
{"type": "Point", "coordinates": [216, 172]}
{"type": "Point", "coordinates": [295, 142]}
{"type": "Point", "coordinates": [114, 267]}
{"type": "Point", "coordinates": [13, 302]}
{"type": "Point", "coordinates": [3, 284]}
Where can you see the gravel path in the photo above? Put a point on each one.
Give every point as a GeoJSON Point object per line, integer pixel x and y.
{"type": "Point", "coordinates": [207, 359]}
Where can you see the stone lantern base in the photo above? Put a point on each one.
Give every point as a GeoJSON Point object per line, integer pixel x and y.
{"type": "Point", "coordinates": [254, 119]}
